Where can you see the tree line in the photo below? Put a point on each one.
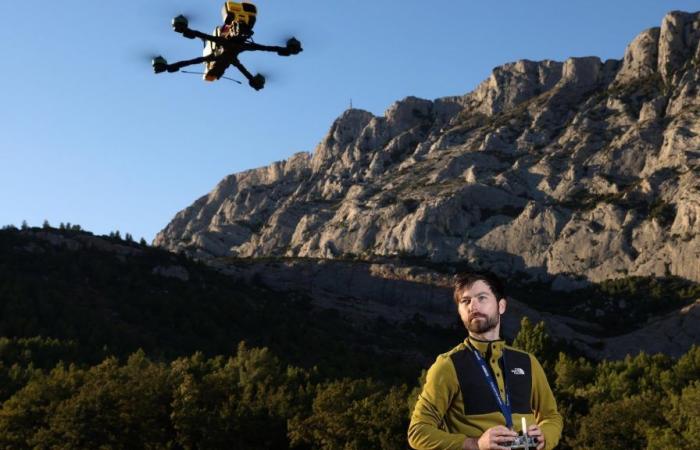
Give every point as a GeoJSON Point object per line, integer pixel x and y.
{"type": "Point", "coordinates": [251, 399]}
{"type": "Point", "coordinates": [307, 378]}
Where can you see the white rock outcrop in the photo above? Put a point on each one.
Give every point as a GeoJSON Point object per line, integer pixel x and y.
{"type": "Point", "coordinates": [583, 169]}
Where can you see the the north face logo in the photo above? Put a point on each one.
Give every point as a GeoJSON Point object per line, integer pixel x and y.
{"type": "Point", "coordinates": [518, 371]}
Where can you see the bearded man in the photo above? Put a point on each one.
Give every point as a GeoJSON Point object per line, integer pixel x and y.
{"type": "Point", "coordinates": [477, 394]}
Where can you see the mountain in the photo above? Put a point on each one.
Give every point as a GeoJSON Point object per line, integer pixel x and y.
{"type": "Point", "coordinates": [570, 174]}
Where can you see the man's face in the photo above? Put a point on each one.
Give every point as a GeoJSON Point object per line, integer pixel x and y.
{"type": "Point", "coordinates": [479, 309]}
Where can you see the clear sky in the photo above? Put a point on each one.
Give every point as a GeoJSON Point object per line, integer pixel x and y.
{"type": "Point", "coordinates": [89, 135]}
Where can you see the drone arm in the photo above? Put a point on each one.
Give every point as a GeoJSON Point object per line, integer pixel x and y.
{"type": "Point", "coordinates": [191, 34]}
{"type": "Point", "coordinates": [293, 47]}
{"type": "Point", "coordinates": [250, 46]}
{"type": "Point", "coordinates": [237, 64]}
{"type": "Point", "coordinates": [174, 67]}
{"type": "Point", "coordinates": [257, 82]}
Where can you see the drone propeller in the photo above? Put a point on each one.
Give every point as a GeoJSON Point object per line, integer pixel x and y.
{"type": "Point", "coordinates": [160, 12]}
{"type": "Point", "coordinates": [140, 58]}
{"type": "Point", "coordinates": [189, 15]}
{"type": "Point", "coordinates": [143, 56]}
{"type": "Point", "coordinates": [271, 76]}
{"type": "Point", "coordinates": [194, 18]}
{"type": "Point", "coordinates": [282, 38]}
{"type": "Point", "coordinates": [311, 35]}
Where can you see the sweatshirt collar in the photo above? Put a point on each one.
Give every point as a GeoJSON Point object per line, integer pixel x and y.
{"type": "Point", "coordinates": [486, 348]}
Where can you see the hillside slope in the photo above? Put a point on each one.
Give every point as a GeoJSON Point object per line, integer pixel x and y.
{"type": "Point", "coordinates": [101, 296]}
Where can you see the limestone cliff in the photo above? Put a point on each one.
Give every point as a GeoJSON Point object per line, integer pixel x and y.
{"type": "Point", "coordinates": [576, 171]}
{"type": "Point", "coordinates": [585, 167]}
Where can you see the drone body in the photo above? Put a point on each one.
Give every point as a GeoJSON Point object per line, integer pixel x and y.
{"type": "Point", "coordinates": [221, 49]}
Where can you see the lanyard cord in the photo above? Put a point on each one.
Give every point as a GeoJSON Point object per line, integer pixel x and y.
{"type": "Point", "coordinates": [504, 406]}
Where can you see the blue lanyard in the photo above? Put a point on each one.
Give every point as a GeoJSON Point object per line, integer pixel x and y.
{"type": "Point", "coordinates": [504, 406]}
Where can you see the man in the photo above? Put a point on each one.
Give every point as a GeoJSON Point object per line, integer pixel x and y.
{"type": "Point", "coordinates": [476, 395]}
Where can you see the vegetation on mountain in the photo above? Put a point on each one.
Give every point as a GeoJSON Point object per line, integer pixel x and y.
{"type": "Point", "coordinates": [112, 344]}
{"type": "Point", "coordinates": [618, 305]}
{"type": "Point", "coordinates": [103, 296]}
{"type": "Point", "coordinates": [252, 400]}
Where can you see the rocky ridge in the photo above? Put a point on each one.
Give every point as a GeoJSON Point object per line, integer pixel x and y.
{"type": "Point", "coordinates": [583, 167]}
{"type": "Point", "coordinates": [567, 172]}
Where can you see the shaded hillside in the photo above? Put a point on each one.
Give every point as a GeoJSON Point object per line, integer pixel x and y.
{"type": "Point", "coordinates": [577, 169]}
{"type": "Point", "coordinates": [111, 297]}
{"type": "Point", "coordinates": [604, 320]}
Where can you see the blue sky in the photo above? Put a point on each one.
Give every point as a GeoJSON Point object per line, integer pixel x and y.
{"type": "Point", "coordinates": [89, 135]}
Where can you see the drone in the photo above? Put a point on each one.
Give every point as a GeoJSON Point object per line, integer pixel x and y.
{"type": "Point", "coordinates": [221, 49]}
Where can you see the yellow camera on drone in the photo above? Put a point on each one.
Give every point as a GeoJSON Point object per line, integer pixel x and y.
{"type": "Point", "coordinates": [243, 13]}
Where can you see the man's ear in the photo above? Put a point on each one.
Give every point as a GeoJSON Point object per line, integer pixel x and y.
{"type": "Point", "coordinates": [502, 303]}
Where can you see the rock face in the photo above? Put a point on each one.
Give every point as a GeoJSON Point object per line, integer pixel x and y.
{"type": "Point", "coordinates": [564, 172]}
{"type": "Point", "coordinates": [583, 168]}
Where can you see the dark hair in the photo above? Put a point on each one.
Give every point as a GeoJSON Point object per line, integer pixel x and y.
{"type": "Point", "coordinates": [464, 280]}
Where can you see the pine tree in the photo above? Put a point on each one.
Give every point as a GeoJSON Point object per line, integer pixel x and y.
{"type": "Point", "coordinates": [535, 340]}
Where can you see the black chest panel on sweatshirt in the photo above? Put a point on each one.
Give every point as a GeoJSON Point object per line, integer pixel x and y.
{"type": "Point", "coordinates": [476, 392]}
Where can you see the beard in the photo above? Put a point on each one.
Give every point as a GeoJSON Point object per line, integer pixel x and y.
{"type": "Point", "coordinates": [484, 324]}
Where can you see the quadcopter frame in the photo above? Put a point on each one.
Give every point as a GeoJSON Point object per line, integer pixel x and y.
{"type": "Point", "coordinates": [222, 52]}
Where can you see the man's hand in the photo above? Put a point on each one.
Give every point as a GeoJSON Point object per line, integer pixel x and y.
{"type": "Point", "coordinates": [491, 439]}
{"type": "Point", "coordinates": [534, 431]}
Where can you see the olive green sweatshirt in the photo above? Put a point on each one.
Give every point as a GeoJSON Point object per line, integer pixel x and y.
{"type": "Point", "coordinates": [457, 402]}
